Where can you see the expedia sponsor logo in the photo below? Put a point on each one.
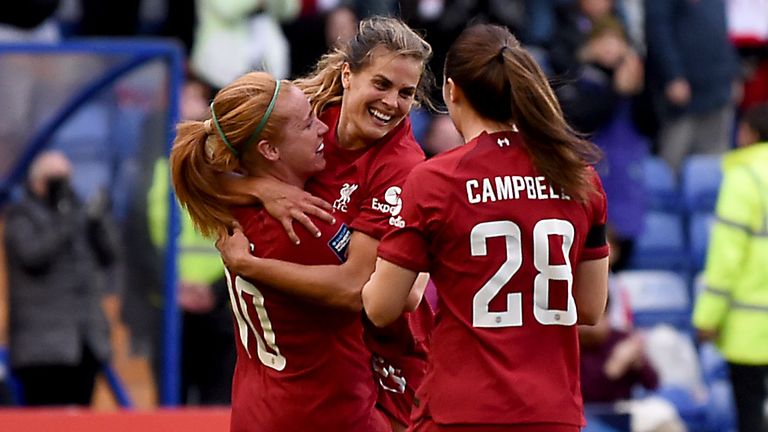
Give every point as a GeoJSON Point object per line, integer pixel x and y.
{"type": "Point", "coordinates": [392, 205]}
{"type": "Point", "coordinates": [340, 241]}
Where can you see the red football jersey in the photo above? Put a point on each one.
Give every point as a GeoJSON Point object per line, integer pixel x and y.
{"type": "Point", "coordinates": [501, 245]}
{"type": "Point", "coordinates": [364, 187]}
{"type": "Point", "coordinates": [300, 366]}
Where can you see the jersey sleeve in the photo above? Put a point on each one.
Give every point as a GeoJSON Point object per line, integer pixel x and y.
{"type": "Point", "coordinates": [408, 245]}
{"type": "Point", "coordinates": [596, 243]}
{"type": "Point", "coordinates": [381, 204]}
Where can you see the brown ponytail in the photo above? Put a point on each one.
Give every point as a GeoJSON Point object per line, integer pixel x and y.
{"type": "Point", "coordinates": [503, 83]}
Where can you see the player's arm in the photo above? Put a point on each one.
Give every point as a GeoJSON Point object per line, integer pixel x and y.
{"type": "Point", "coordinates": [590, 290]}
{"type": "Point", "coordinates": [282, 201]}
{"type": "Point", "coordinates": [332, 285]}
{"type": "Point", "coordinates": [387, 293]}
{"type": "Point", "coordinates": [417, 292]}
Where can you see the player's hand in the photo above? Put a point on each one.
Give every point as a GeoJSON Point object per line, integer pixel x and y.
{"type": "Point", "coordinates": [287, 203]}
{"type": "Point", "coordinates": [234, 248]}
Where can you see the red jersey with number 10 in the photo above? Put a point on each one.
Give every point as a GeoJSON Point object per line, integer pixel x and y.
{"type": "Point", "coordinates": [300, 366]}
{"type": "Point", "coordinates": [501, 245]}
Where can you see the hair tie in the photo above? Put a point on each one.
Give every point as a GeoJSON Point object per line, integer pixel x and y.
{"type": "Point", "coordinates": [500, 55]}
{"type": "Point", "coordinates": [207, 126]}
{"type": "Point", "coordinates": [222, 134]}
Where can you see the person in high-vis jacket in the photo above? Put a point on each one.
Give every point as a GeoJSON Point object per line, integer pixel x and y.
{"type": "Point", "coordinates": [732, 310]}
{"type": "Point", "coordinates": [208, 341]}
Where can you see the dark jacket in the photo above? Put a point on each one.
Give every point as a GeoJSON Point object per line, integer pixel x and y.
{"type": "Point", "coordinates": [688, 39]}
{"type": "Point", "coordinates": [55, 291]}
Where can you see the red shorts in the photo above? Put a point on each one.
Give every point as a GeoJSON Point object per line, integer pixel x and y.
{"type": "Point", "coordinates": [426, 424]}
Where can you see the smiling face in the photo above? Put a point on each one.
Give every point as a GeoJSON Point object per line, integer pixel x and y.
{"type": "Point", "coordinates": [377, 97]}
{"type": "Point", "coordinates": [299, 152]}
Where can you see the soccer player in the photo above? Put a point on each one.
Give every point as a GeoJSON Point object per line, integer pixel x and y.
{"type": "Point", "coordinates": [364, 93]}
{"type": "Point", "coordinates": [300, 365]}
{"type": "Point", "coordinates": [511, 228]}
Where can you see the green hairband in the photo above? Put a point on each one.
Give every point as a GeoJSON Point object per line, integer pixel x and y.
{"type": "Point", "coordinates": [256, 132]}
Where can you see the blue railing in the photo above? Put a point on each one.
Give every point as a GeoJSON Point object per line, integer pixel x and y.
{"type": "Point", "coordinates": [136, 53]}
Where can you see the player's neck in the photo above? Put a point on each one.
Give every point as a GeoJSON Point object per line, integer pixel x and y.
{"type": "Point", "coordinates": [472, 125]}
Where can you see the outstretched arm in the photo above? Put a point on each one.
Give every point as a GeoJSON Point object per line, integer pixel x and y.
{"type": "Point", "coordinates": [282, 201]}
{"type": "Point", "coordinates": [388, 292]}
{"type": "Point", "coordinates": [333, 285]}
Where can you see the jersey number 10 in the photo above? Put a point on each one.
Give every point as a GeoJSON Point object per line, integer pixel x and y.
{"type": "Point", "coordinates": [240, 305]}
{"type": "Point", "coordinates": [513, 316]}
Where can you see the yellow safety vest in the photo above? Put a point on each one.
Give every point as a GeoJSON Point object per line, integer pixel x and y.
{"type": "Point", "coordinates": [198, 259]}
{"type": "Point", "coordinates": [735, 298]}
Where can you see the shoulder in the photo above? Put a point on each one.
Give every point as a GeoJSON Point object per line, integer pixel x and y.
{"type": "Point", "coordinates": [400, 148]}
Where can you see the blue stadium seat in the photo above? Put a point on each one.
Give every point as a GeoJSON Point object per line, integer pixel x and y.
{"type": "Point", "coordinates": [700, 181]}
{"type": "Point", "coordinates": [657, 297]}
{"type": "Point", "coordinates": [662, 244]}
{"type": "Point", "coordinates": [699, 225]}
{"type": "Point", "coordinates": [605, 417]}
{"type": "Point", "coordinates": [661, 185]}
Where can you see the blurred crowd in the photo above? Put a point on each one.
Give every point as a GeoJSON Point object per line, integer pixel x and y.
{"type": "Point", "coordinates": [668, 78]}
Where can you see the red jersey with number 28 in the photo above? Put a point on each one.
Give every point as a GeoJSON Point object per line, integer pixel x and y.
{"type": "Point", "coordinates": [364, 187]}
{"type": "Point", "coordinates": [501, 245]}
{"type": "Point", "coordinates": [300, 366]}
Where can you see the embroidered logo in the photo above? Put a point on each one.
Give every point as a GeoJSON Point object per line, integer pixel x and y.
{"type": "Point", "coordinates": [392, 205]}
{"type": "Point", "coordinates": [345, 192]}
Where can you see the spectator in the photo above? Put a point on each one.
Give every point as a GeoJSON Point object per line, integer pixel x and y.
{"type": "Point", "coordinates": [692, 74]}
{"type": "Point", "coordinates": [59, 336]}
{"type": "Point", "coordinates": [235, 37]}
{"type": "Point", "coordinates": [575, 21]}
{"type": "Point", "coordinates": [29, 21]}
{"type": "Point", "coordinates": [733, 308]}
{"type": "Point", "coordinates": [601, 101]}
{"type": "Point", "coordinates": [613, 363]}
{"type": "Point", "coordinates": [208, 343]}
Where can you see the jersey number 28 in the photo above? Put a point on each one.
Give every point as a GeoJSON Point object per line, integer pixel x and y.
{"type": "Point", "coordinates": [546, 272]}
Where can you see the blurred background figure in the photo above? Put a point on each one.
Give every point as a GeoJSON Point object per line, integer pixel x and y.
{"type": "Point", "coordinates": [614, 362]}
{"type": "Point", "coordinates": [693, 75]}
{"type": "Point", "coordinates": [732, 310]}
{"type": "Point", "coordinates": [29, 21]}
{"type": "Point", "coordinates": [59, 336]}
{"type": "Point", "coordinates": [233, 37]}
{"type": "Point", "coordinates": [601, 100]}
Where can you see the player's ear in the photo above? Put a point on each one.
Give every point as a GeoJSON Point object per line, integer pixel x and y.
{"type": "Point", "coordinates": [452, 92]}
{"type": "Point", "coordinates": [268, 150]}
{"type": "Point", "coordinates": [345, 73]}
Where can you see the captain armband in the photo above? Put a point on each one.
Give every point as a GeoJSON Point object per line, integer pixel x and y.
{"type": "Point", "coordinates": [596, 237]}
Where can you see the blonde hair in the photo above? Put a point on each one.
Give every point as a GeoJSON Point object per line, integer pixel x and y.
{"type": "Point", "coordinates": [200, 155]}
{"type": "Point", "coordinates": [323, 85]}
